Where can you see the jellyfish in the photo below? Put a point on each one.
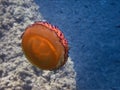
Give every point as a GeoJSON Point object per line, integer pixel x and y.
{"type": "Point", "coordinates": [45, 46]}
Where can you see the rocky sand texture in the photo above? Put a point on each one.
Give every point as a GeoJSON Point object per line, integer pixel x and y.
{"type": "Point", "coordinates": [16, 73]}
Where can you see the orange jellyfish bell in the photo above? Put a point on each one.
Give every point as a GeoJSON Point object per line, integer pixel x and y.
{"type": "Point", "coordinates": [45, 46]}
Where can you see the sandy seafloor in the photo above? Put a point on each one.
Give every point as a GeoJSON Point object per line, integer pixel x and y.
{"type": "Point", "coordinates": [16, 72]}
{"type": "Point", "coordinates": [92, 28]}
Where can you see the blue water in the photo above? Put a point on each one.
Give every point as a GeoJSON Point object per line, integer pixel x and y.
{"type": "Point", "coordinates": [92, 28]}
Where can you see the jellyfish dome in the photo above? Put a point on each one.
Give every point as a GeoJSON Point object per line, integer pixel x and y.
{"type": "Point", "coordinates": [45, 46]}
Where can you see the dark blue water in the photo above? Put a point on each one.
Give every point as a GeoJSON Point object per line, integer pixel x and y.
{"type": "Point", "coordinates": [92, 28]}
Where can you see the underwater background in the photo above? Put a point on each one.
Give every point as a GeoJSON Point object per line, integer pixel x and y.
{"type": "Point", "coordinates": [92, 28]}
